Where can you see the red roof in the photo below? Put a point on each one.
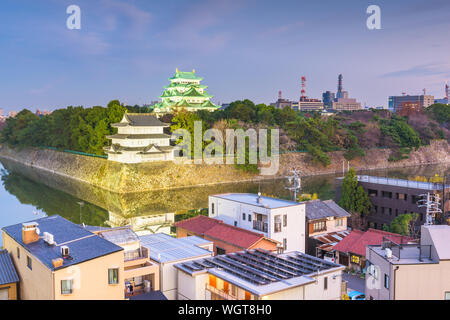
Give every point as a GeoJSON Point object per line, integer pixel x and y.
{"type": "Point", "coordinates": [357, 240]}
{"type": "Point", "coordinates": [216, 229]}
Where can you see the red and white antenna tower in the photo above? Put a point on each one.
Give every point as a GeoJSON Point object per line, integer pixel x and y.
{"type": "Point", "coordinates": [303, 87]}
{"type": "Point", "coordinates": [280, 95]}
{"type": "Point", "coordinates": [424, 91]}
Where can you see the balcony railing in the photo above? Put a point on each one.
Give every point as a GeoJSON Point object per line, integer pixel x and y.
{"type": "Point", "coordinates": [141, 253]}
{"type": "Point", "coordinates": [222, 295]}
{"type": "Point", "coordinates": [260, 225]}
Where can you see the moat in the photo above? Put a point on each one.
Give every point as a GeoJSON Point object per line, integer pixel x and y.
{"type": "Point", "coordinates": [25, 198]}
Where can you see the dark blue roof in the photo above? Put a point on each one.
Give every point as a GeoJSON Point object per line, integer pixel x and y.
{"type": "Point", "coordinates": [8, 273]}
{"type": "Point", "coordinates": [83, 244]}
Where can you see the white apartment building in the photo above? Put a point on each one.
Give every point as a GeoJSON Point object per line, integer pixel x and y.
{"type": "Point", "coordinates": [278, 219]}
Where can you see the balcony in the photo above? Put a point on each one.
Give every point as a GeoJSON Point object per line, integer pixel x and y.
{"type": "Point", "coordinates": [138, 256]}
{"type": "Point", "coordinates": [217, 294]}
{"type": "Point", "coordinates": [260, 226]}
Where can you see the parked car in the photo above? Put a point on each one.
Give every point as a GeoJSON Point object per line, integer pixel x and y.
{"type": "Point", "coordinates": [356, 295]}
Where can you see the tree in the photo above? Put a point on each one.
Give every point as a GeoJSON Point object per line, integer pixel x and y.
{"type": "Point", "coordinates": [354, 199]}
{"type": "Point", "coordinates": [404, 224]}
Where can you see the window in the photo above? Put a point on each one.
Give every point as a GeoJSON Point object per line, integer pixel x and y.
{"type": "Point", "coordinates": [386, 194]}
{"type": "Point", "coordinates": [447, 295]}
{"type": "Point", "coordinates": [375, 209]}
{"type": "Point", "coordinates": [325, 283]}
{"type": "Point", "coordinates": [113, 276]}
{"type": "Point", "coordinates": [390, 211]}
{"type": "Point", "coordinates": [243, 216]}
{"type": "Point", "coordinates": [250, 217]}
{"type": "Point", "coordinates": [339, 222]}
{"type": "Point", "coordinates": [284, 244]}
{"type": "Point", "coordinates": [386, 281]}
{"type": "Point", "coordinates": [29, 263]}
{"type": "Point", "coordinates": [372, 193]}
{"type": "Point", "coordinates": [18, 253]}
{"type": "Point", "coordinates": [220, 251]}
{"type": "Point", "coordinates": [235, 223]}
{"type": "Point", "coordinates": [319, 226]}
{"type": "Point", "coordinates": [382, 210]}
{"type": "Point", "coordinates": [212, 208]}
{"type": "Point", "coordinates": [277, 224]}
{"type": "Point", "coordinates": [66, 286]}
{"type": "Point", "coordinates": [285, 220]}
{"type": "Point", "coordinates": [396, 212]}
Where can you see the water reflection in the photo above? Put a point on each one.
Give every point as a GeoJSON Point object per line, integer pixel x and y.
{"type": "Point", "coordinates": [150, 211]}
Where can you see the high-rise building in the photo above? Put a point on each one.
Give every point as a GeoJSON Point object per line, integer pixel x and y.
{"type": "Point", "coordinates": [396, 102]}
{"type": "Point", "coordinates": [328, 98]}
{"type": "Point", "coordinates": [342, 102]}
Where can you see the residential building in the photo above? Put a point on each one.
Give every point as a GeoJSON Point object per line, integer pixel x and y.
{"type": "Point", "coordinates": [396, 102]}
{"type": "Point", "coordinates": [260, 275]}
{"type": "Point", "coordinates": [351, 251]}
{"type": "Point", "coordinates": [325, 220]}
{"type": "Point", "coordinates": [226, 238]}
{"type": "Point", "coordinates": [281, 103]}
{"type": "Point", "coordinates": [140, 275]}
{"type": "Point", "coordinates": [166, 251]}
{"type": "Point", "coordinates": [185, 92]}
{"type": "Point", "coordinates": [140, 138]}
{"type": "Point", "coordinates": [392, 197]}
{"type": "Point", "coordinates": [9, 279]}
{"type": "Point", "coordinates": [65, 262]}
{"type": "Point", "coordinates": [411, 272]}
{"type": "Point", "coordinates": [278, 219]}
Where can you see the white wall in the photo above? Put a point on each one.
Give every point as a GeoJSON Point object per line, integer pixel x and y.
{"type": "Point", "coordinates": [232, 211]}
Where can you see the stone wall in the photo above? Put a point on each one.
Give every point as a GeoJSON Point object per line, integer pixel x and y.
{"type": "Point", "coordinates": [127, 178]}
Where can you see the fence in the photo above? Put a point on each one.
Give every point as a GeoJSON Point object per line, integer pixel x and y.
{"type": "Point", "coordinates": [76, 152]}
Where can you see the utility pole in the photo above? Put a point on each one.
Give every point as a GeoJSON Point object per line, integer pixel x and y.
{"type": "Point", "coordinates": [432, 204]}
{"type": "Point", "coordinates": [296, 181]}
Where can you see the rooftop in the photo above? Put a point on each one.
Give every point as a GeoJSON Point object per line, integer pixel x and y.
{"type": "Point", "coordinates": [164, 248]}
{"type": "Point", "coordinates": [119, 236]}
{"type": "Point", "coordinates": [216, 229]}
{"type": "Point", "coordinates": [252, 199]}
{"type": "Point", "coordinates": [8, 273]}
{"type": "Point", "coordinates": [318, 209]}
{"type": "Point", "coordinates": [440, 236]}
{"type": "Point", "coordinates": [401, 183]}
{"type": "Point", "coordinates": [329, 240]}
{"type": "Point", "coordinates": [357, 240]}
{"type": "Point", "coordinates": [83, 244]}
{"type": "Point", "coordinates": [139, 120]}
{"type": "Point", "coordinates": [259, 271]}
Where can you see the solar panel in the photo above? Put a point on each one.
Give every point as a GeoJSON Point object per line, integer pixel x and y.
{"type": "Point", "coordinates": [288, 271]}
{"type": "Point", "coordinates": [260, 266]}
{"type": "Point", "coordinates": [294, 264]}
{"type": "Point", "coordinates": [247, 269]}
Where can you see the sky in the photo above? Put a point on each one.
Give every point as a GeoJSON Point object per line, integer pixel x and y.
{"type": "Point", "coordinates": [251, 49]}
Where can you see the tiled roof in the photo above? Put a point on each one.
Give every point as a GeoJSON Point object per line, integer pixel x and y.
{"type": "Point", "coordinates": [83, 244]}
{"type": "Point", "coordinates": [318, 209]}
{"type": "Point", "coordinates": [329, 240]}
{"type": "Point", "coordinates": [198, 224]}
{"type": "Point", "coordinates": [140, 120]}
{"type": "Point", "coordinates": [357, 240]}
{"type": "Point", "coordinates": [8, 273]}
{"type": "Point", "coordinates": [216, 229]}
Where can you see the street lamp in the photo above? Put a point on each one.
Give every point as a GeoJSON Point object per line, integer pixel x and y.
{"type": "Point", "coordinates": [81, 203]}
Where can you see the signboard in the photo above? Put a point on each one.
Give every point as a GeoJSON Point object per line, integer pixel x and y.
{"type": "Point", "coordinates": [355, 259]}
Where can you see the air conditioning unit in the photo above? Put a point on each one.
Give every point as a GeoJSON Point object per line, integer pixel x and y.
{"type": "Point", "coordinates": [65, 251]}
{"type": "Point", "coordinates": [388, 253]}
{"type": "Point", "coordinates": [48, 238]}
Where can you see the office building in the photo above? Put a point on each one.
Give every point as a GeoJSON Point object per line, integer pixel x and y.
{"type": "Point", "coordinates": [396, 103]}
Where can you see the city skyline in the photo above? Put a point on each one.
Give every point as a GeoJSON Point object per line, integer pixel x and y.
{"type": "Point", "coordinates": [127, 50]}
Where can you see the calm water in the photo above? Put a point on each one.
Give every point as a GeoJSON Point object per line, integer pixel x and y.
{"type": "Point", "coordinates": [37, 195]}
